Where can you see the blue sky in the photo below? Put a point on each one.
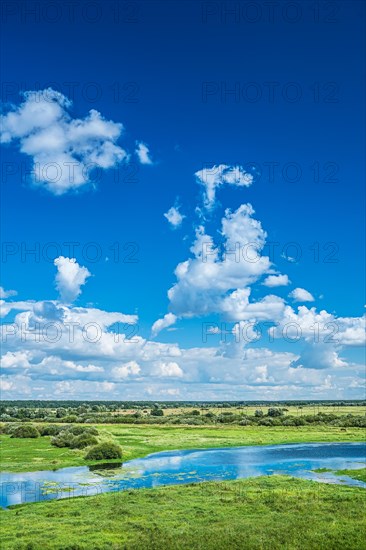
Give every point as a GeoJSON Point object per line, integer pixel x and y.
{"type": "Point", "coordinates": [270, 112]}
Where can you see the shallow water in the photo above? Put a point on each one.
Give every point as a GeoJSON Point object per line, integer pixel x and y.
{"type": "Point", "coordinates": [178, 467]}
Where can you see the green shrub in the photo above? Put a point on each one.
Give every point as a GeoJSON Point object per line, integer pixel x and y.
{"type": "Point", "coordinates": [63, 439]}
{"type": "Point", "coordinates": [157, 412]}
{"type": "Point", "coordinates": [104, 451]}
{"type": "Point", "coordinates": [245, 422]}
{"type": "Point", "coordinates": [275, 412]}
{"type": "Point", "coordinates": [50, 429]}
{"type": "Point", "coordinates": [71, 418]}
{"type": "Point", "coordinates": [83, 440]}
{"type": "Point", "coordinates": [24, 431]}
{"type": "Point", "coordinates": [75, 437]}
{"type": "Point", "coordinates": [78, 430]}
{"type": "Point", "coordinates": [9, 428]}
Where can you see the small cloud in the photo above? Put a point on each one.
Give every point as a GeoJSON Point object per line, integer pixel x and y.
{"type": "Point", "coordinates": [167, 321]}
{"type": "Point", "coordinates": [132, 368]}
{"type": "Point", "coordinates": [288, 258]}
{"type": "Point", "coordinates": [6, 293]}
{"type": "Point", "coordinates": [143, 153]}
{"type": "Point", "coordinates": [216, 176]}
{"type": "Point", "coordinates": [174, 217]}
{"type": "Point", "coordinates": [301, 295]}
{"type": "Point", "coordinates": [70, 278]}
{"type": "Point", "coordinates": [276, 280]}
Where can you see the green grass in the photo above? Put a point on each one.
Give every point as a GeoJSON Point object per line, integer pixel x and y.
{"type": "Point", "coordinates": [250, 409]}
{"type": "Point", "coordinates": [274, 513]}
{"type": "Point", "coordinates": [359, 474]}
{"type": "Point", "coordinates": [19, 455]}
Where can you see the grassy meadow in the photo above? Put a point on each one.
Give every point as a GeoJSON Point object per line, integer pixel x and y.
{"type": "Point", "coordinates": [271, 513]}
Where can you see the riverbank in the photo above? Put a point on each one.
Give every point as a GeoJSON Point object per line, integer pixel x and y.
{"type": "Point", "coordinates": [21, 455]}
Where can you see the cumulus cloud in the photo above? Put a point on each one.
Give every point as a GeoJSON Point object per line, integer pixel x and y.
{"type": "Point", "coordinates": [319, 355]}
{"type": "Point", "coordinates": [301, 295]}
{"type": "Point", "coordinates": [143, 153]}
{"type": "Point", "coordinates": [168, 320]}
{"type": "Point", "coordinates": [7, 293]}
{"type": "Point", "coordinates": [216, 176]}
{"type": "Point", "coordinates": [70, 278]}
{"type": "Point", "coordinates": [276, 280]}
{"type": "Point", "coordinates": [65, 151]}
{"type": "Point", "coordinates": [171, 369]}
{"type": "Point", "coordinates": [14, 360]}
{"type": "Point", "coordinates": [174, 217]}
{"type": "Point", "coordinates": [206, 281]}
{"type": "Point", "coordinates": [126, 370]}
{"type": "Point", "coordinates": [68, 359]}
{"type": "Point", "coordinates": [311, 325]}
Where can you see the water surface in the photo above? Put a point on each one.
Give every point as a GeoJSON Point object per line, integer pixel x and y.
{"type": "Point", "coordinates": [178, 467]}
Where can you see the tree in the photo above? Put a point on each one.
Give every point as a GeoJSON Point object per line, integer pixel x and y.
{"type": "Point", "coordinates": [157, 412]}
{"type": "Point", "coordinates": [275, 412]}
{"type": "Point", "coordinates": [104, 451]}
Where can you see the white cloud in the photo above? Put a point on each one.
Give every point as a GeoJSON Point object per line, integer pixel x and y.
{"type": "Point", "coordinates": [15, 360]}
{"type": "Point", "coordinates": [143, 153]}
{"type": "Point", "coordinates": [5, 384]}
{"type": "Point", "coordinates": [70, 278]}
{"type": "Point", "coordinates": [121, 372]}
{"type": "Point", "coordinates": [171, 369]}
{"type": "Point", "coordinates": [236, 307]}
{"type": "Point", "coordinates": [319, 355]}
{"type": "Point", "coordinates": [174, 217]}
{"type": "Point", "coordinates": [216, 176]}
{"type": "Point", "coordinates": [310, 325]}
{"type": "Point", "coordinates": [276, 280]}
{"type": "Point", "coordinates": [206, 281]}
{"type": "Point", "coordinates": [64, 151]}
{"type": "Point", "coordinates": [301, 295]}
{"type": "Point", "coordinates": [7, 293]}
{"type": "Point", "coordinates": [168, 320]}
{"type": "Point", "coordinates": [217, 278]}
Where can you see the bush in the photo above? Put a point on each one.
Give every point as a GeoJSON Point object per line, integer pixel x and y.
{"type": "Point", "coordinates": [70, 419]}
{"type": "Point", "coordinates": [50, 429]}
{"type": "Point", "coordinates": [63, 439]}
{"type": "Point", "coordinates": [83, 440]}
{"type": "Point", "coordinates": [9, 428]}
{"type": "Point", "coordinates": [75, 437]}
{"type": "Point", "coordinates": [78, 430]}
{"type": "Point", "coordinates": [157, 412]}
{"type": "Point", "coordinates": [25, 431]}
{"type": "Point", "coordinates": [275, 412]}
{"type": "Point", "coordinates": [104, 451]}
{"type": "Point", "coordinates": [245, 422]}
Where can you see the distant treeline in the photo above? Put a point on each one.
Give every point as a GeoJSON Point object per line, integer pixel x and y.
{"type": "Point", "coordinates": [173, 404]}
{"type": "Point", "coordinates": [97, 414]}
